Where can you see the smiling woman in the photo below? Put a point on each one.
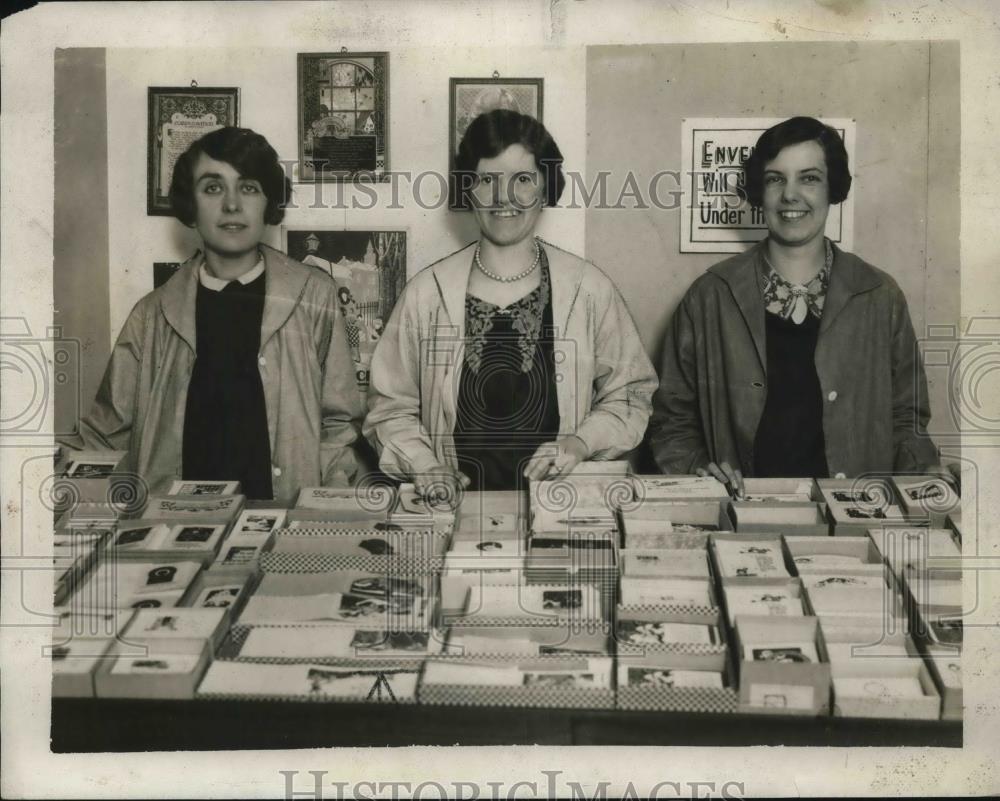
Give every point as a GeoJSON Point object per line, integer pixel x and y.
{"type": "Point", "coordinates": [510, 359]}
{"type": "Point", "coordinates": [795, 359]}
{"type": "Point", "coordinates": [205, 363]}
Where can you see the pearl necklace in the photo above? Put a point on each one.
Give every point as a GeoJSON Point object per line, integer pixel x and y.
{"type": "Point", "coordinates": [509, 279]}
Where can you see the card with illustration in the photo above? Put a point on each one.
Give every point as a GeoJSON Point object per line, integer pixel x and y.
{"type": "Point", "coordinates": [670, 677]}
{"type": "Point", "coordinates": [640, 632]}
{"type": "Point", "coordinates": [782, 653]}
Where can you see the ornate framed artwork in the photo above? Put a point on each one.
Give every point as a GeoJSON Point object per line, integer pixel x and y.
{"type": "Point", "coordinates": [177, 117]}
{"type": "Point", "coordinates": [343, 116]}
{"type": "Point", "coordinates": [470, 97]}
{"type": "Point", "coordinates": [370, 268]}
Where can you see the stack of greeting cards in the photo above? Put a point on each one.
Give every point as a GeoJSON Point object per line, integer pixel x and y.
{"type": "Point", "coordinates": [81, 642]}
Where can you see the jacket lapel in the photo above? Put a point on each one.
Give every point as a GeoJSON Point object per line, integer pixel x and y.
{"type": "Point", "coordinates": [284, 288]}
{"type": "Point", "coordinates": [451, 278]}
{"type": "Point", "coordinates": [849, 276]}
{"type": "Point", "coordinates": [564, 278]}
{"type": "Point", "coordinates": [178, 300]}
{"type": "Point", "coordinates": [740, 273]}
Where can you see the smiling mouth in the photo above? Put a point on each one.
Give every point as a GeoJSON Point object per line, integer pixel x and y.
{"type": "Point", "coordinates": [792, 216]}
{"type": "Point", "coordinates": [505, 213]}
{"type": "Point", "coordinates": [232, 227]}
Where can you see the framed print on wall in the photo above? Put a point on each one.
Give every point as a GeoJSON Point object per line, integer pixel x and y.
{"type": "Point", "coordinates": [369, 266]}
{"type": "Point", "coordinates": [177, 117]}
{"type": "Point", "coordinates": [343, 116]}
{"type": "Point", "coordinates": [470, 97]}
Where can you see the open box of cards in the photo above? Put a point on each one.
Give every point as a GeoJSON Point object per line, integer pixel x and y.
{"type": "Point", "coordinates": [855, 505]}
{"type": "Point", "coordinates": [783, 666]}
{"type": "Point", "coordinates": [670, 581]}
{"type": "Point", "coordinates": [524, 643]}
{"type": "Point", "coordinates": [157, 540]}
{"type": "Point", "coordinates": [360, 549]}
{"type": "Point", "coordinates": [399, 600]}
{"type": "Point", "coordinates": [750, 558]}
{"type": "Point", "coordinates": [90, 473]}
{"type": "Point", "coordinates": [848, 555]}
{"type": "Point", "coordinates": [770, 490]}
{"type": "Point", "coordinates": [926, 496]}
{"type": "Point", "coordinates": [367, 645]}
{"type": "Point", "coordinates": [780, 517]}
{"type": "Point", "coordinates": [521, 608]}
{"type": "Point", "coordinates": [544, 681]}
{"type": "Point", "coordinates": [305, 682]}
{"type": "Point", "coordinates": [677, 683]}
{"type": "Point", "coordinates": [161, 654]}
{"type": "Point", "coordinates": [127, 584]}
{"type": "Point", "coordinates": [81, 641]}
{"type": "Point", "coordinates": [676, 488]}
{"type": "Point", "coordinates": [673, 517]}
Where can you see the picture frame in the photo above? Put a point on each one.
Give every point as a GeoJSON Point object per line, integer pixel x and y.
{"type": "Point", "coordinates": [177, 116]}
{"type": "Point", "coordinates": [369, 265]}
{"type": "Point", "coordinates": [343, 116]}
{"type": "Point", "coordinates": [470, 97]}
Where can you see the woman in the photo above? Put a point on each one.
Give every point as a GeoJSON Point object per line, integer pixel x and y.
{"type": "Point", "coordinates": [795, 358]}
{"type": "Point", "coordinates": [237, 367]}
{"type": "Point", "coordinates": [509, 359]}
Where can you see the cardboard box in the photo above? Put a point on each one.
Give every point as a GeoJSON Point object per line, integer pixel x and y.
{"type": "Point", "coordinates": [855, 555]}
{"type": "Point", "coordinates": [945, 665]}
{"type": "Point", "coordinates": [780, 598]}
{"type": "Point", "coordinates": [161, 541]}
{"type": "Point", "coordinates": [221, 588]}
{"type": "Point", "coordinates": [642, 641]}
{"type": "Point", "coordinates": [189, 508]}
{"type": "Point", "coordinates": [778, 687]}
{"type": "Point", "coordinates": [90, 473]}
{"type": "Point", "coordinates": [864, 689]}
{"type": "Point", "coordinates": [488, 526]}
{"type": "Point", "coordinates": [527, 644]}
{"type": "Point", "coordinates": [656, 487]}
{"type": "Point", "coordinates": [780, 517]}
{"type": "Point", "coordinates": [684, 517]}
{"type": "Point", "coordinates": [780, 490]}
{"type": "Point", "coordinates": [554, 681]}
{"type": "Point", "coordinates": [926, 496]}
{"type": "Point", "coordinates": [771, 563]}
{"type": "Point", "coordinates": [159, 675]}
{"type": "Point", "coordinates": [173, 631]}
{"type": "Point", "coordinates": [206, 488]}
{"type": "Point", "coordinates": [409, 546]}
{"type": "Point", "coordinates": [660, 688]}
{"type": "Point", "coordinates": [333, 645]}
{"type": "Point", "coordinates": [74, 664]}
{"type": "Point", "coordinates": [922, 549]}
{"type": "Point", "coordinates": [479, 504]}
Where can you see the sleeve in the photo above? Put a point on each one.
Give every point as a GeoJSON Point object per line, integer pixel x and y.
{"type": "Point", "coordinates": [393, 424]}
{"type": "Point", "coordinates": [676, 436]}
{"type": "Point", "coordinates": [624, 380]}
{"type": "Point", "coordinates": [108, 423]}
{"type": "Point", "coordinates": [340, 404]}
{"type": "Point", "coordinates": [914, 448]}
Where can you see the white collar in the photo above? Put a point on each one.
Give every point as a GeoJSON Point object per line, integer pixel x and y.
{"type": "Point", "coordinates": [209, 281]}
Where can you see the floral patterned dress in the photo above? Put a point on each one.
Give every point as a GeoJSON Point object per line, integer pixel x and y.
{"type": "Point", "coordinates": [507, 403]}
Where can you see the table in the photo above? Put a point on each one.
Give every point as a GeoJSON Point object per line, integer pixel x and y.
{"type": "Point", "coordinates": [97, 725]}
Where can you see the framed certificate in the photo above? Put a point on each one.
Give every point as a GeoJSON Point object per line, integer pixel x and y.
{"type": "Point", "coordinates": [470, 97]}
{"type": "Point", "coordinates": [177, 117]}
{"type": "Point", "coordinates": [343, 116]}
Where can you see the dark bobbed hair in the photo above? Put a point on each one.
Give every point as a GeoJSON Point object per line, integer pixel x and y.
{"type": "Point", "coordinates": [251, 156]}
{"type": "Point", "coordinates": [491, 133]}
{"type": "Point", "coordinates": [791, 132]}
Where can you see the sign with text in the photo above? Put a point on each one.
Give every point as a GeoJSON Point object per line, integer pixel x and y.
{"type": "Point", "coordinates": [715, 218]}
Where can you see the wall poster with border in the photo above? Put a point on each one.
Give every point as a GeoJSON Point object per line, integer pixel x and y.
{"type": "Point", "coordinates": [178, 115]}
{"type": "Point", "coordinates": [716, 218]}
{"type": "Point", "coordinates": [470, 97]}
{"type": "Point", "coordinates": [369, 265]}
{"type": "Point", "coordinates": [343, 110]}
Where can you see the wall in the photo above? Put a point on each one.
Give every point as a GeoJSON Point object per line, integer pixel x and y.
{"type": "Point", "coordinates": [906, 157]}
{"type": "Point", "coordinates": [80, 222]}
{"type": "Point", "coordinates": [418, 142]}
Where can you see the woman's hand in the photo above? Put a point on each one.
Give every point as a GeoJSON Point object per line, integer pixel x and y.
{"type": "Point", "coordinates": [442, 486]}
{"type": "Point", "coordinates": [724, 473]}
{"type": "Point", "coordinates": [555, 459]}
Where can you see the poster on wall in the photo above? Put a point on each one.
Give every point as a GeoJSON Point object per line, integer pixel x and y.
{"type": "Point", "coordinates": [177, 117]}
{"type": "Point", "coordinates": [715, 218]}
{"type": "Point", "coordinates": [343, 116]}
{"type": "Point", "coordinates": [369, 267]}
{"type": "Point", "coordinates": [470, 97]}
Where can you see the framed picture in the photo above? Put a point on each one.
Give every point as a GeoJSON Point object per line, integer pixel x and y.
{"type": "Point", "coordinates": [343, 116]}
{"type": "Point", "coordinates": [370, 268]}
{"type": "Point", "coordinates": [177, 117]}
{"type": "Point", "coordinates": [470, 97]}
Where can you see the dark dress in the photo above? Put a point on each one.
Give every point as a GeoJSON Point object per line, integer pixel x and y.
{"type": "Point", "coordinates": [789, 440]}
{"type": "Point", "coordinates": [225, 421]}
{"type": "Point", "coordinates": [507, 402]}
